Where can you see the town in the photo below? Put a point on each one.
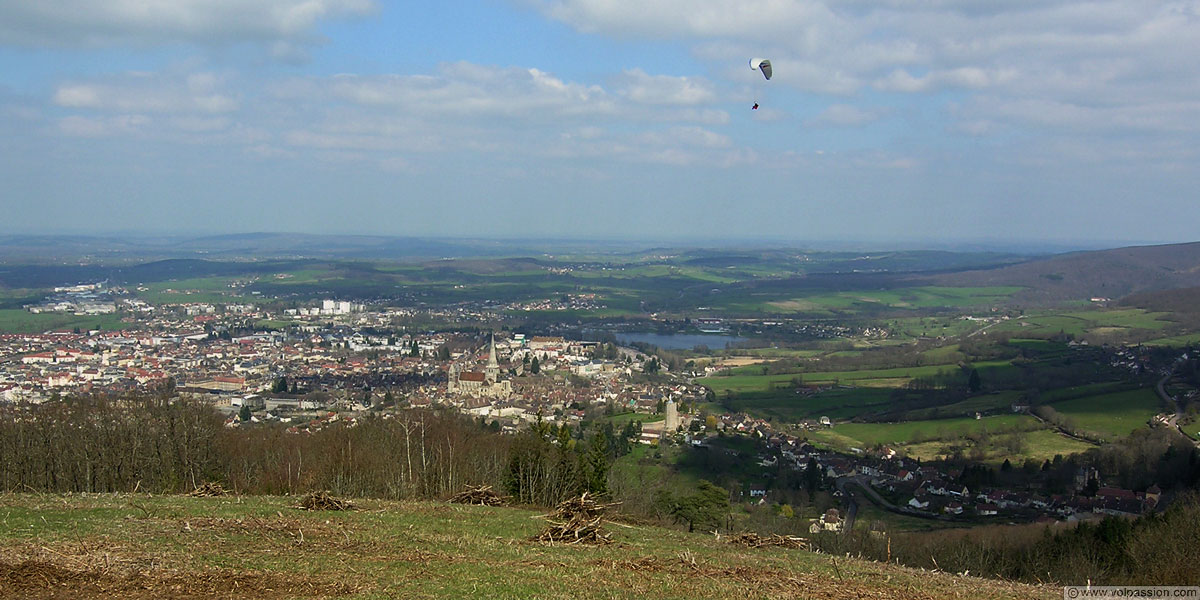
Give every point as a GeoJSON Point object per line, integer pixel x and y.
{"type": "Point", "coordinates": [339, 361]}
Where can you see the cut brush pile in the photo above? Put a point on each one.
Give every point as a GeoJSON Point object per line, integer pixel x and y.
{"type": "Point", "coordinates": [208, 489]}
{"type": "Point", "coordinates": [321, 500]}
{"type": "Point", "coordinates": [577, 521]}
{"type": "Point", "coordinates": [481, 495]}
{"type": "Point", "coordinates": [753, 540]}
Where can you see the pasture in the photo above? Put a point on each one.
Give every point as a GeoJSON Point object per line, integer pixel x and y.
{"type": "Point", "coordinates": [866, 435]}
{"type": "Point", "coordinates": [1038, 445]}
{"type": "Point", "coordinates": [17, 320]}
{"type": "Point", "coordinates": [1113, 415]}
{"type": "Point", "coordinates": [883, 378]}
{"type": "Point", "coordinates": [787, 406]}
{"type": "Point", "coordinates": [142, 547]}
{"type": "Point", "coordinates": [1099, 322]}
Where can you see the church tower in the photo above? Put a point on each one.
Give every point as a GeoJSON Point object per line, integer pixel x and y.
{"type": "Point", "coordinates": [492, 370]}
{"type": "Point", "coordinates": [672, 419]}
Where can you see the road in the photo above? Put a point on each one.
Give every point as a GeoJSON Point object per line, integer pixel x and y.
{"type": "Point", "coordinates": [1161, 388]}
{"type": "Point", "coordinates": [863, 483]}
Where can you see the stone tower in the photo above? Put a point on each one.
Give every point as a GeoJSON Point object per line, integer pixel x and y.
{"type": "Point", "coordinates": [492, 371]}
{"type": "Point", "coordinates": [672, 420]}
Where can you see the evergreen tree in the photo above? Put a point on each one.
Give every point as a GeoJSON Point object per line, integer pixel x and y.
{"type": "Point", "coordinates": [707, 509]}
{"type": "Point", "coordinates": [974, 384]}
{"type": "Point", "coordinates": [812, 475]}
{"type": "Point", "coordinates": [596, 464]}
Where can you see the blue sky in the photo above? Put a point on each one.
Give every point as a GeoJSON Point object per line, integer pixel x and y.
{"type": "Point", "coordinates": [887, 120]}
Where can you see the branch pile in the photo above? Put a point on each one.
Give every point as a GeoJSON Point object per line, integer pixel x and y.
{"type": "Point", "coordinates": [578, 521]}
{"type": "Point", "coordinates": [321, 500]}
{"type": "Point", "coordinates": [753, 540]}
{"type": "Point", "coordinates": [481, 495]}
{"type": "Point", "coordinates": [208, 489]}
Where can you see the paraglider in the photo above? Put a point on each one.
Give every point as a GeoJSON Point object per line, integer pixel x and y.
{"type": "Point", "coordinates": [763, 65]}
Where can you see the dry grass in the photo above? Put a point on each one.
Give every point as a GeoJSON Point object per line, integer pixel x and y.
{"type": "Point", "coordinates": [261, 547]}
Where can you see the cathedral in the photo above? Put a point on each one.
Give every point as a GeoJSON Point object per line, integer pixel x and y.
{"type": "Point", "coordinates": [476, 384]}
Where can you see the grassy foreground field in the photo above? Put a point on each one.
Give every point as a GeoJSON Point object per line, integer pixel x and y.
{"type": "Point", "coordinates": [138, 546]}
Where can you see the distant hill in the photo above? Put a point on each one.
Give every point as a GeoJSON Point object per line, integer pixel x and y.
{"type": "Point", "coordinates": [1081, 275]}
{"type": "Point", "coordinates": [1182, 300]}
{"type": "Point", "coordinates": [52, 249]}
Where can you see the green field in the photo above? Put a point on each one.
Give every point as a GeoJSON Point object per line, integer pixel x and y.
{"type": "Point", "coordinates": [1111, 416]}
{"type": "Point", "coordinates": [623, 418]}
{"type": "Point", "coordinates": [866, 435]}
{"type": "Point", "coordinates": [865, 377]}
{"type": "Point", "coordinates": [1176, 341]}
{"type": "Point", "coordinates": [1039, 445]}
{"type": "Point", "coordinates": [924, 297]}
{"type": "Point", "coordinates": [144, 547]}
{"type": "Point", "coordinates": [983, 403]}
{"type": "Point", "coordinates": [1098, 322]}
{"type": "Point", "coordinates": [23, 321]}
{"type": "Point", "coordinates": [786, 406]}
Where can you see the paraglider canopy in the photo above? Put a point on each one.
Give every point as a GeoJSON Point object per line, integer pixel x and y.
{"type": "Point", "coordinates": [761, 64]}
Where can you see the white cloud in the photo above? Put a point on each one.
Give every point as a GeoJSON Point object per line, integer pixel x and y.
{"type": "Point", "coordinates": [845, 115]}
{"type": "Point", "coordinates": [102, 126]}
{"type": "Point", "coordinates": [146, 92]}
{"type": "Point", "coordinates": [89, 22]}
{"type": "Point", "coordinates": [973, 78]}
{"type": "Point", "coordinates": [1128, 54]}
{"type": "Point", "coordinates": [510, 112]}
{"type": "Point", "coordinates": [638, 86]}
{"type": "Point", "coordinates": [687, 18]}
{"type": "Point", "coordinates": [466, 89]}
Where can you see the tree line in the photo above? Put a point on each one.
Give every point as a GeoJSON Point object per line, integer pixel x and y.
{"type": "Point", "coordinates": [105, 444]}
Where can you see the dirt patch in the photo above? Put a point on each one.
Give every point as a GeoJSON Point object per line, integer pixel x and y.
{"type": "Point", "coordinates": [35, 579]}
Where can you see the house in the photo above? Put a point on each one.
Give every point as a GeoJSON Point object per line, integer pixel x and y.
{"type": "Point", "coordinates": [919, 502]}
{"type": "Point", "coordinates": [987, 510]}
{"type": "Point", "coordinates": [830, 521]}
{"type": "Point", "coordinates": [953, 508]}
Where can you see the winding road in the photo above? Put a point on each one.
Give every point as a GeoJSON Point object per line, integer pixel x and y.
{"type": "Point", "coordinates": [1161, 388]}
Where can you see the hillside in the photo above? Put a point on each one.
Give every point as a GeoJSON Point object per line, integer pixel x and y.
{"type": "Point", "coordinates": [139, 546]}
{"type": "Point", "coordinates": [1082, 275]}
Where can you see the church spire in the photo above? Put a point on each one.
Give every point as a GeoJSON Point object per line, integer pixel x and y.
{"type": "Point", "coordinates": [492, 371]}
